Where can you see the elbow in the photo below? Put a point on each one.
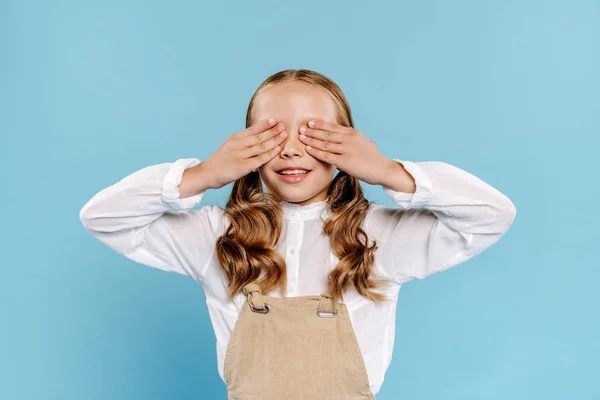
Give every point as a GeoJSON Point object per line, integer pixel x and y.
{"type": "Point", "coordinates": [86, 217]}
{"type": "Point", "coordinates": [507, 214]}
{"type": "Point", "coordinates": [497, 218]}
{"type": "Point", "coordinates": [83, 213]}
{"type": "Point", "coordinates": [93, 215]}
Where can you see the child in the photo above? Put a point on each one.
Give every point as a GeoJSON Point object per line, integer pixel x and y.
{"type": "Point", "coordinates": [337, 259]}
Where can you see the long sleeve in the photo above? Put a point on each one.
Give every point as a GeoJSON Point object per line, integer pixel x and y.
{"type": "Point", "coordinates": [452, 216]}
{"type": "Point", "coordinates": [133, 218]}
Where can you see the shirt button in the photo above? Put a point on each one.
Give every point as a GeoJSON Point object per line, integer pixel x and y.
{"type": "Point", "coordinates": [293, 250]}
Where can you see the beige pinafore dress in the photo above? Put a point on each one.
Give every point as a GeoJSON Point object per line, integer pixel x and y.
{"type": "Point", "coordinates": [294, 348]}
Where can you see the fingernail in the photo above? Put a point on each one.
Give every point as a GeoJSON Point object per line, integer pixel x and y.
{"type": "Point", "coordinates": [271, 121]}
{"type": "Point", "coordinates": [311, 124]}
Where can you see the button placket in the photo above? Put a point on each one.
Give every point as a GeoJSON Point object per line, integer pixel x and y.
{"type": "Point", "coordinates": [294, 237]}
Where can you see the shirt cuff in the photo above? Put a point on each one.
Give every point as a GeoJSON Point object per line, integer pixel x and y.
{"type": "Point", "coordinates": [171, 181]}
{"type": "Point", "coordinates": [423, 192]}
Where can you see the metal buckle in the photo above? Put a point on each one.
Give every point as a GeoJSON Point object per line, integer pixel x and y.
{"type": "Point", "coordinates": [324, 314]}
{"type": "Point", "coordinates": [258, 310]}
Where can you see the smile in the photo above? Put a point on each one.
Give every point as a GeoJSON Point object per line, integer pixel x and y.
{"type": "Point", "coordinates": [293, 177]}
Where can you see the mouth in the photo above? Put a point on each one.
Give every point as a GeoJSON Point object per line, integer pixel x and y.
{"type": "Point", "coordinates": [293, 175]}
{"type": "Point", "coordinates": [293, 171]}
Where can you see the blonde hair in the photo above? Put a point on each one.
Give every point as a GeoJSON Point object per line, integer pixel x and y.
{"type": "Point", "coordinates": [248, 245]}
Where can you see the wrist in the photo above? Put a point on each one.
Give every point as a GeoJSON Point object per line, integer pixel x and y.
{"type": "Point", "coordinates": [195, 180]}
{"type": "Point", "coordinates": [397, 178]}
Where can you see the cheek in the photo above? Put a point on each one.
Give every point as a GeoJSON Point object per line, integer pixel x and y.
{"type": "Point", "coordinates": [326, 167]}
{"type": "Point", "coordinates": [265, 171]}
{"type": "Point", "coordinates": [265, 167]}
{"type": "Point", "coordinates": [326, 171]}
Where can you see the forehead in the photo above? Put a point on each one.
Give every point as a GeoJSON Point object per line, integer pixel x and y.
{"type": "Point", "coordinates": [294, 102]}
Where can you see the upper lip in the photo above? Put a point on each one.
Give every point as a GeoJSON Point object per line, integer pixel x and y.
{"type": "Point", "coordinates": [292, 167]}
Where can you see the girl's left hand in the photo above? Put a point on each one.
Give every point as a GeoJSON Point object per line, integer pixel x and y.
{"type": "Point", "coordinates": [348, 149]}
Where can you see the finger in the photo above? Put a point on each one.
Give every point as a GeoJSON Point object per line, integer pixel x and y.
{"type": "Point", "coordinates": [325, 156]}
{"type": "Point", "coordinates": [260, 126]}
{"type": "Point", "coordinates": [261, 159]}
{"type": "Point", "coordinates": [256, 128]}
{"type": "Point", "coordinates": [324, 145]}
{"type": "Point", "coordinates": [329, 126]}
{"type": "Point", "coordinates": [264, 145]}
{"type": "Point", "coordinates": [330, 136]}
{"type": "Point", "coordinates": [259, 137]}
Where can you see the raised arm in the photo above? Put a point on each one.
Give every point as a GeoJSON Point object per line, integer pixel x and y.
{"type": "Point", "coordinates": [133, 218]}
{"type": "Point", "coordinates": [451, 217]}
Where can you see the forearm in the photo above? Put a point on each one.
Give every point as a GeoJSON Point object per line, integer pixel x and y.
{"type": "Point", "coordinates": [138, 199]}
{"type": "Point", "coordinates": [456, 196]}
{"type": "Point", "coordinates": [397, 178]}
{"type": "Point", "coordinates": [194, 180]}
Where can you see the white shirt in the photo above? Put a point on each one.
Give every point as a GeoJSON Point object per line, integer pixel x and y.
{"type": "Point", "coordinates": [451, 217]}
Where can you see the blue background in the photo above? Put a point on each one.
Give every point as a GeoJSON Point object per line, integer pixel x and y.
{"type": "Point", "coordinates": [92, 91]}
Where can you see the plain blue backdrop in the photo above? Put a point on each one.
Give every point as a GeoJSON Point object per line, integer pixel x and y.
{"type": "Point", "coordinates": [92, 91]}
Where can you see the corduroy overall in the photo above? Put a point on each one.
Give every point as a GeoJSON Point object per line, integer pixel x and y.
{"type": "Point", "coordinates": [294, 348]}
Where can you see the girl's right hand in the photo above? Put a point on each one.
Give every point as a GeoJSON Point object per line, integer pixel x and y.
{"type": "Point", "coordinates": [244, 152]}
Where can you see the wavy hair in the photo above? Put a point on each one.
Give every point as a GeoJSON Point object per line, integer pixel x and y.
{"type": "Point", "coordinates": [247, 247]}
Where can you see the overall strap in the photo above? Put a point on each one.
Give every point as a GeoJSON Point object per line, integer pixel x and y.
{"type": "Point", "coordinates": [254, 295]}
{"type": "Point", "coordinates": [256, 301]}
{"type": "Point", "coordinates": [326, 306]}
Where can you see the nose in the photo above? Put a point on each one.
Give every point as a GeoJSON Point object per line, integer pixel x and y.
{"type": "Point", "coordinates": [292, 146]}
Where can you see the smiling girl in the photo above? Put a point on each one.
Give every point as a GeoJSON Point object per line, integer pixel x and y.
{"type": "Point", "coordinates": [301, 280]}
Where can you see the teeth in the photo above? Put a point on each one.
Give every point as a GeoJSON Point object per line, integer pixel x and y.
{"type": "Point", "coordinates": [293, 172]}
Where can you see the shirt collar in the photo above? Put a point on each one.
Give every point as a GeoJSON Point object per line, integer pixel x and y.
{"type": "Point", "coordinates": [297, 212]}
